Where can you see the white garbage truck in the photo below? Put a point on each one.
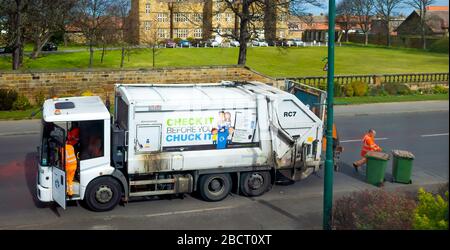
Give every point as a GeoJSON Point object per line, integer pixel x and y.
{"type": "Point", "coordinates": [212, 138]}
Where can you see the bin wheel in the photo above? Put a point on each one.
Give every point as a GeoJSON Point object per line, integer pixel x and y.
{"type": "Point", "coordinates": [381, 184]}
{"type": "Point", "coordinates": [410, 181]}
{"type": "Point", "coordinates": [393, 180]}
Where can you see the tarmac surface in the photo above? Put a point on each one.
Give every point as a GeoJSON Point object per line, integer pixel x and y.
{"type": "Point", "coordinates": [422, 128]}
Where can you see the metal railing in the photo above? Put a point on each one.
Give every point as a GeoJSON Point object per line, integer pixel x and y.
{"type": "Point", "coordinates": [321, 81]}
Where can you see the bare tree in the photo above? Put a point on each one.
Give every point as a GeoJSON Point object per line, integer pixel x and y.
{"type": "Point", "coordinates": [385, 9]}
{"type": "Point", "coordinates": [364, 10]}
{"type": "Point", "coordinates": [14, 11]}
{"type": "Point", "coordinates": [345, 15]}
{"type": "Point", "coordinates": [121, 9]}
{"type": "Point", "coordinates": [90, 16]}
{"type": "Point", "coordinates": [152, 40]}
{"type": "Point", "coordinates": [421, 7]}
{"type": "Point", "coordinates": [45, 18]}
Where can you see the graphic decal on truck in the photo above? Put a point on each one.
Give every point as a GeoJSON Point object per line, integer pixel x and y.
{"type": "Point", "coordinates": [217, 128]}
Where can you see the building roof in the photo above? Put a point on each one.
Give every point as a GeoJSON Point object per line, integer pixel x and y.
{"type": "Point", "coordinates": [437, 8]}
{"type": "Point", "coordinates": [437, 20]}
{"type": "Point", "coordinates": [85, 108]}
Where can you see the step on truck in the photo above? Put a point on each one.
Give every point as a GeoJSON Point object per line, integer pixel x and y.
{"type": "Point", "coordinates": [212, 139]}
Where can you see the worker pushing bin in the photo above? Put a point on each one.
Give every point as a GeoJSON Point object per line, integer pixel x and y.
{"type": "Point", "coordinates": [376, 167]}
{"type": "Point", "coordinates": [402, 166]}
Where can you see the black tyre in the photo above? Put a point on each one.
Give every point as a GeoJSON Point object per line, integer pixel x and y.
{"type": "Point", "coordinates": [255, 183]}
{"type": "Point", "coordinates": [103, 194]}
{"type": "Point", "coordinates": [214, 187]}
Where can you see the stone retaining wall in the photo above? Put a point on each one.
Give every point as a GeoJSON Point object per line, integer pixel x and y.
{"type": "Point", "coordinates": [101, 82]}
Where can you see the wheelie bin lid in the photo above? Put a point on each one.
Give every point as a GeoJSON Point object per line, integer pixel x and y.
{"type": "Point", "coordinates": [378, 155]}
{"type": "Point", "coordinates": [403, 154]}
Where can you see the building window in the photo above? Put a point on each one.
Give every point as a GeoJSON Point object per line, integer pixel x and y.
{"type": "Point", "coordinates": [281, 34]}
{"type": "Point", "coordinates": [228, 31]}
{"type": "Point", "coordinates": [228, 17]}
{"type": "Point", "coordinates": [147, 8]}
{"type": "Point", "coordinates": [282, 17]}
{"type": "Point", "coordinates": [162, 17]}
{"type": "Point", "coordinates": [198, 33]}
{"type": "Point", "coordinates": [163, 33]}
{"type": "Point", "coordinates": [182, 33]}
{"type": "Point", "coordinates": [147, 25]}
{"type": "Point", "coordinates": [180, 17]}
{"type": "Point", "coordinates": [197, 17]}
{"type": "Point", "coordinates": [217, 17]}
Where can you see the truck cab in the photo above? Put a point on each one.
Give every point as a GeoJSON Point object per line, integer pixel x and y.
{"type": "Point", "coordinates": [92, 150]}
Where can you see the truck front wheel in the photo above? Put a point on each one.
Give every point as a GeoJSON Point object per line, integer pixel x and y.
{"type": "Point", "coordinates": [255, 183]}
{"type": "Point", "coordinates": [214, 187]}
{"type": "Point", "coordinates": [103, 194]}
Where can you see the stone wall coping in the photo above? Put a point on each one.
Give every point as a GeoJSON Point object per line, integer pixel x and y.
{"type": "Point", "coordinates": [113, 70]}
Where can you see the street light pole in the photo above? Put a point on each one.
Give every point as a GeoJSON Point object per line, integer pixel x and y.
{"type": "Point", "coordinates": [328, 179]}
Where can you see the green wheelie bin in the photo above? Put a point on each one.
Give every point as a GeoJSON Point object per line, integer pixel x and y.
{"type": "Point", "coordinates": [376, 167]}
{"type": "Point", "coordinates": [402, 166]}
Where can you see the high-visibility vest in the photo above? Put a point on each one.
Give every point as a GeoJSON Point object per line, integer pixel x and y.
{"type": "Point", "coordinates": [71, 159]}
{"type": "Point", "coordinates": [368, 145]}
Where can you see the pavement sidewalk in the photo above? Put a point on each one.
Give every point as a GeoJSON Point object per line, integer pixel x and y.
{"type": "Point", "coordinates": [391, 108]}
{"type": "Point", "coordinates": [24, 127]}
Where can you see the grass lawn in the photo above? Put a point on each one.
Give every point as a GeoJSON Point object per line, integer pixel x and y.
{"type": "Point", "coordinates": [276, 62]}
{"type": "Point", "coordinates": [19, 115]}
{"type": "Point", "coordinates": [379, 99]}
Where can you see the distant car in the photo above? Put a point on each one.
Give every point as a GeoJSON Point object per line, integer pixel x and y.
{"type": "Point", "coordinates": [212, 43]}
{"type": "Point", "coordinates": [297, 42]}
{"type": "Point", "coordinates": [50, 47]}
{"type": "Point", "coordinates": [259, 43]}
{"type": "Point", "coordinates": [184, 43]}
{"type": "Point", "coordinates": [289, 42]}
{"type": "Point", "coordinates": [234, 43]}
{"type": "Point", "coordinates": [6, 50]}
{"type": "Point", "coordinates": [170, 44]}
{"type": "Point", "coordinates": [198, 43]}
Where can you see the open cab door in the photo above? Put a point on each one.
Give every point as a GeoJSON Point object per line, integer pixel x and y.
{"type": "Point", "coordinates": [58, 137]}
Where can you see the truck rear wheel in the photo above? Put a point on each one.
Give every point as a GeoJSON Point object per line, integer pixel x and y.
{"type": "Point", "coordinates": [103, 194]}
{"type": "Point", "coordinates": [214, 187]}
{"type": "Point", "coordinates": [255, 183]}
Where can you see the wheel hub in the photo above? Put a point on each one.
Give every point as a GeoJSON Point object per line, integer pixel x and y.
{"type": "Point", "coordinates": [104, 194]}
{"type": "Point", "coordinates": [256, 181]}
{"type": "Point", "coordinates": [216, 185]}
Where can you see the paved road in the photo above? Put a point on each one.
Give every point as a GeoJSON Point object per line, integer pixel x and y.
{"type": "Point", "coordinates": [296, 206]}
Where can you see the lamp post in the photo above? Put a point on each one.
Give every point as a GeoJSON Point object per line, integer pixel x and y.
{"type": "Point", "coordinates": [328, 179]}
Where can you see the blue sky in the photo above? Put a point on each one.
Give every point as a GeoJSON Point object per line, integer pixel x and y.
{"type": "Point", "coordinates": [404, 9]}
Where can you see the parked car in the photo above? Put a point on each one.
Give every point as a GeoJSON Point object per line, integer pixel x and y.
{"type": "Point", "coordinates": [212, 43]}
{"type": "Point", "coordinates": [289, 42]}
{"type": "Point", "coordinates": [50, 47]}
{"type": "Point", "coordinates": [297, 42]}
{"type": "Point", "coordinates": [170, 44]}
{"type": "Point", "coordinates": [259, 43]}
{"type": "Point", "coordinates": [6, 50]}
{"type": "Point", "coordinates": [184, 43]}
{"type": "Point", "coordinates": [234, 43]}
{"type": "Point", "coordinates": [198, 43]}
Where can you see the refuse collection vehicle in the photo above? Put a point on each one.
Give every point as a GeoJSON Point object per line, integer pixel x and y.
{"type": "Point", "coordinates": [212, 139]}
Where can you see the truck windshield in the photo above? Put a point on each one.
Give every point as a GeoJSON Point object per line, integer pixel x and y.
{"type": "Point", "coordinates": [53, 139]}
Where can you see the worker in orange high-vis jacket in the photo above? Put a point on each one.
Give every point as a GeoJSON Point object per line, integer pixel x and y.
{"type": "Point", "coordinates": [73, 135]}
{"type": "Point", "coordinates": [368, 145]}
{"type": "Point", "coordinates": [71, 167]}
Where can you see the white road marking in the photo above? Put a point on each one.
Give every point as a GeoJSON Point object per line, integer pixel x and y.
{"type": "Point", "coordinates": [168, 213]}
{"type": "Point", "coordinates": [434, 135]}
{"type": "Point", "coordinates": [360, 140]}
{"type": "Point", "coordinates": [188, 211]}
